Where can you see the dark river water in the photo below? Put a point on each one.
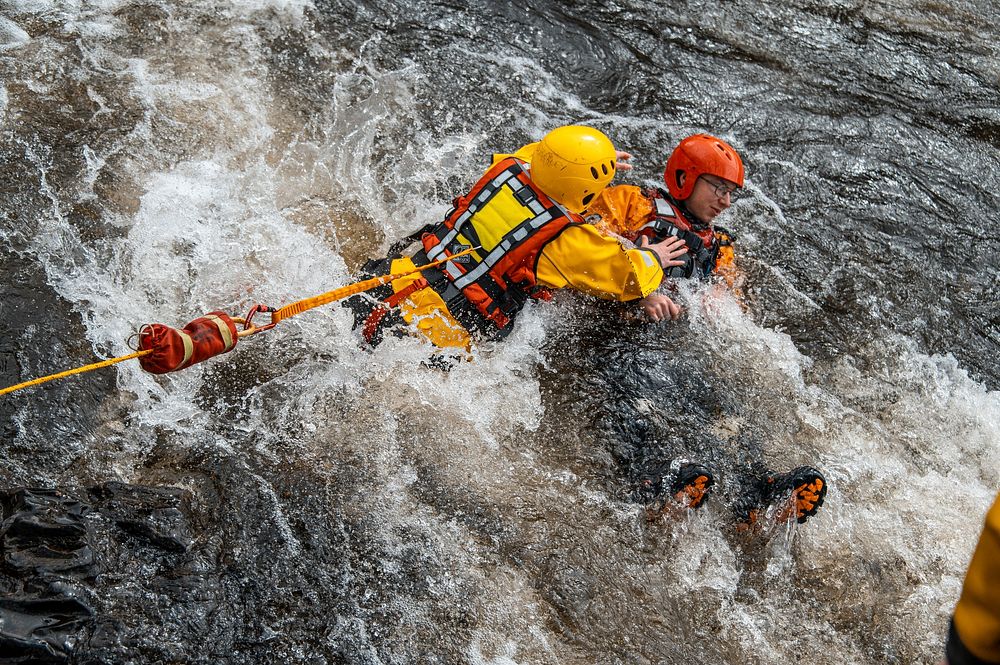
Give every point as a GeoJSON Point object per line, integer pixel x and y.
{"type": "Point", "coordinates": [311, 501]}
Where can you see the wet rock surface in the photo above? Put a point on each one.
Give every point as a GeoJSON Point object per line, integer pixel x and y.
{"type": "Point", "coordinates": [63, 549]}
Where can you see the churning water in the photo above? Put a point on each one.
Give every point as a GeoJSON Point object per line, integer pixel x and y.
{"type": "Point", "coordinates": [165, 159]}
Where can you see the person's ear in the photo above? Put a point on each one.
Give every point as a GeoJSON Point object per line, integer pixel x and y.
{"type": "Point", "coordinates": [681, 178]}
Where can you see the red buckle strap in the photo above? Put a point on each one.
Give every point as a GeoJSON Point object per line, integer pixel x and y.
{"type": "Point", "coordinates": [381, 309]}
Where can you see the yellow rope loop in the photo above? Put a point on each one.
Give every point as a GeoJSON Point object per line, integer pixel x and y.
{"type": "Point", "coordinates": [78, 370]}
{"type": "Point", "coordinates": [353, 289]}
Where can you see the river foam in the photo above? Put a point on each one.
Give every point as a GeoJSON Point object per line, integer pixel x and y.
{"type": "Point", "coordinates": [477, 514]}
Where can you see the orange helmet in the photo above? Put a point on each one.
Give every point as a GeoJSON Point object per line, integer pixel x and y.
{"type": "Point", "coordinates": [697, 155]}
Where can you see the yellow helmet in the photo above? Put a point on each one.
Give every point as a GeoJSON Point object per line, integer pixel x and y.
{"type": "Point", "coordinates": [572, 165]}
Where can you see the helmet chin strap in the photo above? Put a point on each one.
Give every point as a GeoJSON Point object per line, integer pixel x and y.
{"type": "Point", "coordinates": [693, 219]}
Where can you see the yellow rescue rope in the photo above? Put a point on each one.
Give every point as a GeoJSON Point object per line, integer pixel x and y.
{"type": "Point", "coordinates": [78, 370]}
{"type": "Point", "coordinates": [277, 315]}
{"type": "Point", "coordinates": [343, 292]}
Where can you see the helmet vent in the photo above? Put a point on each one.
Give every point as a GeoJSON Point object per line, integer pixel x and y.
{"type": "Point", "coordinates": [593, 172]}
{"type": "Point", "coordinates": [604, 168]}
{"type": "Point", "coordinates": [723, 151]}
{"type": "Point", "coordinates": [588, 198]}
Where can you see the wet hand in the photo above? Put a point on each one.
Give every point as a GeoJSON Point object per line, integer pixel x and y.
{"type": "Point", "coordinates": [622, 161]}
{"type": "Point", "coordinates": [659, 307]}
{"type": "Point", "coordinates": [669, 251]}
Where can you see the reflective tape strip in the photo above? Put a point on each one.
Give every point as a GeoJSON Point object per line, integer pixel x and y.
{"type": "Point", "coordinates": [464, 217]}
{"type": "Point", "coordinates": [504, 176]}
{"type": "Point", "coordinates": [664, 209]}
{"type": "Point", "coordinates": [663, 226]}
{"type": "Point", "coordinates": [224, 331]}
{"type": "Point", "coordinates": [544, 218]}
{"type": "Point", "coordinates": [484, 267]}
{"type": "Point", "coordinates": [436, 253]}
{"type": "Point", "coordinates": [453, 271]}
{"type": "Point", "coordinates": [188, 349]}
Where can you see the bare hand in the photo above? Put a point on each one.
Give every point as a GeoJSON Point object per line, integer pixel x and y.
{"type": "Point", "coordinates": [622, 163]}
{"type": "Point", "coordinates": [658, 307]}
{"type": "Point", "coordinates": [668, 251]}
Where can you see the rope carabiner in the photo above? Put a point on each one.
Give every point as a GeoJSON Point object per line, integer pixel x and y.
{"type": "Point", "coordinates": [249, 328]}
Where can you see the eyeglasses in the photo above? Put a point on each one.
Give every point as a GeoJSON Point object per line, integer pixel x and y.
{"type": "Point", "coordinates": [721, 188]}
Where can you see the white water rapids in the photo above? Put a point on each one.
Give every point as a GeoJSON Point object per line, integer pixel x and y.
{"type": "Point", "coordinates": [190, 156]}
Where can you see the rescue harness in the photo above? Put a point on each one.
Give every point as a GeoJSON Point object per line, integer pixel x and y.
{"type": "Point", "coordinates": [501, 226]}
{"type": "Point", "coordinates": [703, 241]}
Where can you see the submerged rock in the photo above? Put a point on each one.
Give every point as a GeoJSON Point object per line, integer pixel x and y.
{"type": "Point", "coordinates": [11, 34]}
{"type": "Point", "coordinates": [61, 546]}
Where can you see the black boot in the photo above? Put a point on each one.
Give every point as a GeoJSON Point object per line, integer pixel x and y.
{"type": "Point", "coordinates": [797, 494]}
{"type": "Point", "coordinates": [680, 483]}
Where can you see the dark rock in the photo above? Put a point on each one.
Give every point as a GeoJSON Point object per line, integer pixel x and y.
{"type": "Point", "coordinates": [41, 630]}
{"type": "Point", "coordinates": [44, 531]}
{"type": "Point", "coordinates": [58, 544]}
{"type": "Point", "coordinates": [150, 513]}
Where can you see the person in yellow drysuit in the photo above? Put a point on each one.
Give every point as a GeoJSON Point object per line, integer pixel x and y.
{"type": "Point", "coordinates": [974, 634]}
{"type": "Point", "coordinates": [703, 175]}
{"type": "Point", "coordinates": [522, 223]}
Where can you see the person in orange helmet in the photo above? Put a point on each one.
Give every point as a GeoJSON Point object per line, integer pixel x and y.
{"type": "Point", "coordinates": [702, 176]}
{"type": "Point", "coordinates": [974, 635]}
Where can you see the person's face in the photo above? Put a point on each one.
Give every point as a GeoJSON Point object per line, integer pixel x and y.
{"type": "Point", "coordinates": [710, 197]}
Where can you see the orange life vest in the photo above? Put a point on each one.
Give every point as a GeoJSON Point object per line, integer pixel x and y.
{"type": "Point", "coordinates": [511, 220]}
{"type": "Point", "coordinates": [703, 241]}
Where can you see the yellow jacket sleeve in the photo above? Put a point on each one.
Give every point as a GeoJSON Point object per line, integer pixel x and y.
{"type": "Point", "coordinates": [975, 631]}
{"type": "Point", "coordinates": [582, 258]}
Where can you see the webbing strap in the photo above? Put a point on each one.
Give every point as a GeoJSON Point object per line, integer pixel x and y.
{"type": "Point", "coordinates": [372, 322]}
{"type": "Point", "coordinates": [406, 291]}
{"type": "Point", "coordinates": [375, 318]}
{"type": "Point", "coordinates": [352, 289]}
